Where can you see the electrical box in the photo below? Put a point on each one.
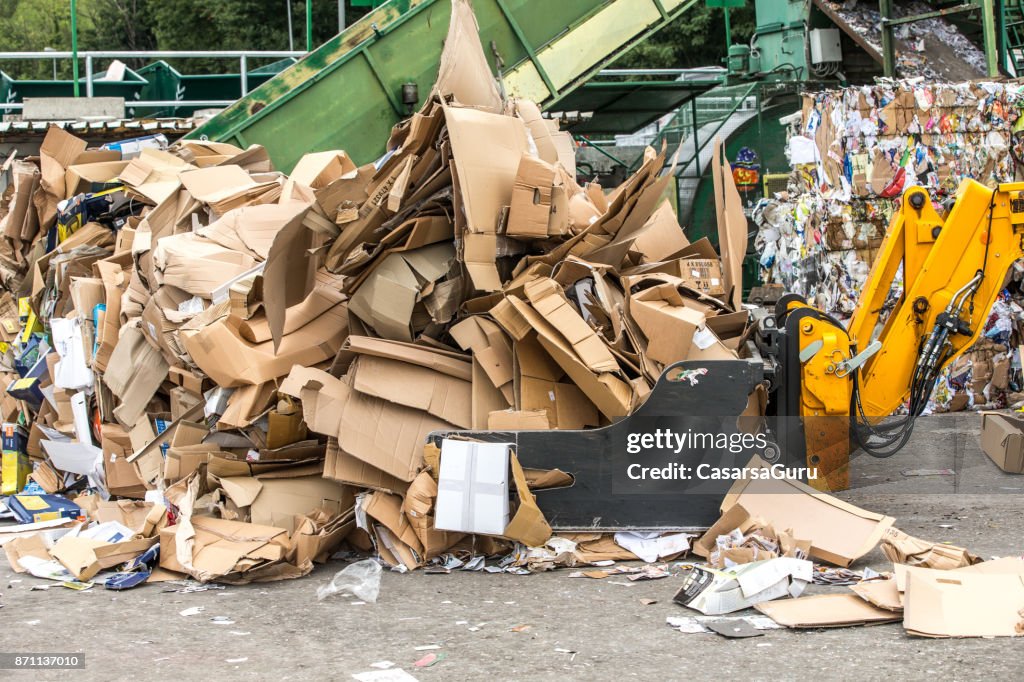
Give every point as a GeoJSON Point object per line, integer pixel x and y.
{"type": "Point", "coordinates": [825, 46]}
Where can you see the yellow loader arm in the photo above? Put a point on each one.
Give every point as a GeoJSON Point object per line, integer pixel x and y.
{"type": "Point", "coordinates": [850, 379]}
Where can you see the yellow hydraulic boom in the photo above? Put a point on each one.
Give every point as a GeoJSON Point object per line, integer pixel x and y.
{"type": "Point", "coordinates": [850, 379]}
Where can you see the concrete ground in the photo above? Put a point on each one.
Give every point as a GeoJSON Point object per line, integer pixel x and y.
{"type": "Point", "coordinates": [578, 628]}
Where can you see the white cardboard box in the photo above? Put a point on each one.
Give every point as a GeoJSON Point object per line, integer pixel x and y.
{"type": "Point", "coordinates": [473, 490]}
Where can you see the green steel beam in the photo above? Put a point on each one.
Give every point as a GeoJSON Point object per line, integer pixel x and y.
{"type": "Point", "coordinates": [74, 44]}
{"type": "Point", "coordinates": [596, 147]}
{"type": "Point", "coordinates": [309, 25]}
{"type": "Point", "coordinates": [888, 46]}
{"type": "Point", "coordinates": [988, 27]}
{"type": "Point", "coordinates": [966, 7]}
{"type": "Point", "coordinates": [514, 25]}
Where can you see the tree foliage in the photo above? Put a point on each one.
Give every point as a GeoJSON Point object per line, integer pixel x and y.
{"type": "Point", "coordinates": [32, 25]}
{"type": "Point", "coordinates": [696, 39]}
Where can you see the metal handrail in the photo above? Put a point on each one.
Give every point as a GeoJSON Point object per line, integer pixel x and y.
{"type": "Point", "coordinates": [242, 56]}
{"type": "Point", "coordinates": [161, 54]}
{"type": "Point", "coordinates": [144, 103]}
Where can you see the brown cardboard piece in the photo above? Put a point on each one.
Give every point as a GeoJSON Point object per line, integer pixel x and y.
{"type": "Point", "coordinates": [611, 395]}
{"type": "Point", "coordinates": [527, 524]}
{"type": "Point", "coordinates": [384, 435]}
{"type": "Point", "coordinates": [78, 555]}
{"type": "Point", "coordinates": [317, 170]}
{"type": "Point", "coordinates": [1002, 439]}
{"type": "Point", "coordinates": [229, 551]}
{"type": "Point", "coordinates": [391, 299]}
{"type": "Point", "coordinates": [901, 548]}
{"type": "Point", "coordinates": [486, 172]}
{"type": "Point", "coordinates": [660, 237]}
{"type": "Point", "coordinates": [154, 174]}
{"type": "Point", "coordinates": [92, 176]}
{"type": "Point", "coordinates": [344, 468]}
{"type": "Point", "coordinates": [666, 319]}
{"type": "Point", "coordinates": [464, 73]}
{"type": "Point", "coordinates": [289, 271]}
{"type": "Point", "coordinates": [407, 384]}
{"type": "Point", "coordinates": [735, 517]}
{"type": "Point", "coordinates": [121, 478]}
{"type": "Point", "coordinates": [839, 532]}
{"type": "Point", "coordinates": [134, 374]}
{"type": "Point", "coordinates": [539, 205]}
{"type": "Point", "coordinates": [444, 361]}
{"type": "Point", "coordinates": [540, 386]}
{"type": "Point", "coordinates": [197, 265]}
{"type": "Point", "coordinates": [418, 505]}
{"type": "Point", "coordinates": [226, 357]}
{"type": "Point", "coordinates": [553, 145]}
{"type": "Point", "coordinates": [318, 534]}
{"type": "Point", "coordinates": [23, 546]}
{"type": "Point", "coordinates": [397, 542]}
{"type": "Point", "coordinates": [490, 347]}
{"type": "Point", "coordinates": [881, 593]}
{"type": "Point", "coordinates": [114, 284]}
{"type": "Point", "coordinates": [732, 226]}
{"type": "Point", "coordinates": [825, 611]}
{"type": "Point", "coordinates": [252, 229]}
{"type": "Point", "coordinates": [518, 420]}
{"type": "Point", "coordinates": [280, 500]}
{"type": "Point", "coordinates": [58, 150]}
{"type": "Point", "coordinates": [967, 602]}
{"type": "Point", "coordinates": [549, 301]}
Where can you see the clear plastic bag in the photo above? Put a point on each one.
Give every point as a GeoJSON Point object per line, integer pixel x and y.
{"type": "Point", "coordinates": [361, 580]}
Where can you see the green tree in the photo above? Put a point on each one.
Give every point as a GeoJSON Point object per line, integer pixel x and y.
{"type": "Point", "coordinates": [695, 39]}
{"type": "Point", "coordinates": [31, 25]}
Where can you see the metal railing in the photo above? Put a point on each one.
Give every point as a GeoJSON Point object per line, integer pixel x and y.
{"type": "Point", "coordinates": [243, 57]}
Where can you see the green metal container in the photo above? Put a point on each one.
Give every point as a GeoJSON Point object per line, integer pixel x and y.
{"type": "Point", "coordinates": [165, 83]}
{"type": "Point", "coordinates": [130, 87]}
{"type": "Point", "coordinates": [739, 59]}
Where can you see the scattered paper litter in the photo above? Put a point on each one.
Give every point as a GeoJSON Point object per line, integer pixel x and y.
{"type": "Point", "coordinates": [389, 675]}
{"type": "Point", "coordinates": [652, 546]}
{"type": "Point", "coordinates": [696, 624]}
{"type": "Point", "coordinates": [192, 611]}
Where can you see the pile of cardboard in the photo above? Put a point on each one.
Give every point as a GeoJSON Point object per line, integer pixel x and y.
{"type": "Point", "coordinates": [266, 354]}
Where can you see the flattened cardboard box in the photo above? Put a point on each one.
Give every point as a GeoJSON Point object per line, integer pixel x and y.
{"type": "Point", "coordinates": [280, 500]}
{"type": "Point", "coordinates": [963, 603]}
{"type": "Point", "coordinates": [881, 593]}
{"type": "Point", "coordinates": [442, 396]}
{"type": "Point", "coordinates": [839, 532]}
{"type": "Point", "coordinates": [230, 551]}
{"type": "Point", "coordinates": [826, 611]}
{"type": "Point", "coordinates": [384, 435]}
